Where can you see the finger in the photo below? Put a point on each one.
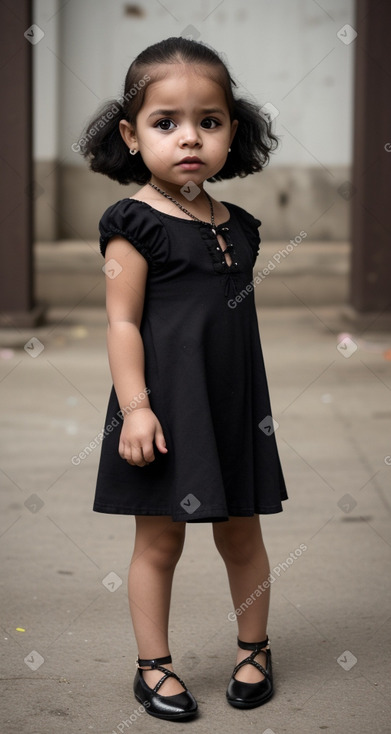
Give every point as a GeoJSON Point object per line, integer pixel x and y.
{"type": "Point", "coordinates": [124, 451]}
{"type": "Point", "coordinates": [136, 458]}
{"type": "Point", "coordinates": [132, 454]}
{"type": "Point", "coordinates": [148, 454]}
{"type": "Point", "coordinates": [160, 441]}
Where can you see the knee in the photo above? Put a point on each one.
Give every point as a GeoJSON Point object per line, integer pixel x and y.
{"type": "Point", "coordinates": [165, 551]}
{"type": "Point", "coordinates": [238, 546]}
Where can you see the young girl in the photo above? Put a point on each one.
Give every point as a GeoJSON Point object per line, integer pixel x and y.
{"type": "Point", "coordinates": [188, 434]}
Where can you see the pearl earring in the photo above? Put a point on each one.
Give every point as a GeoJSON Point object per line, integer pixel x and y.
{"type": "Point", "coordinates": [132, 152]}
{"type": "Point", "coordinates": [229, 150]}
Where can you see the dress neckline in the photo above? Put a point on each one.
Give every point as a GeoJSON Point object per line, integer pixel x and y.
{"type": "Point", "coordinates": [182, 219]}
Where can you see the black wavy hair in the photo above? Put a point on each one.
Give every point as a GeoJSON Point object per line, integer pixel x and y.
{"type": "Point", "coordinates": [101, 142]}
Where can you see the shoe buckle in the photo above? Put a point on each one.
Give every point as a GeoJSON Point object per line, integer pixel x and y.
{"type": "Point", "coordinates": [265, 647]}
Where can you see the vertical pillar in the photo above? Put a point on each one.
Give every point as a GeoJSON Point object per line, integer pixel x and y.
{"type": "Point", "coordinates": [370, 280]}
{"type": "Point", "coordinates": [17, 306]}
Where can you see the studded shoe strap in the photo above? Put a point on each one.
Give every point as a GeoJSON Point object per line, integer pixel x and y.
{"type": "Point", "coordinates": [256, 647]}
{"type": "Point", "coordinates": [154, 664]}
{"type": "Point", "coordinates": [167, 674]}
{"type": "Point", "coordinates": [253, 645]}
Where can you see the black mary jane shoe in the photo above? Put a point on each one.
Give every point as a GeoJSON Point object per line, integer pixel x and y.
{"type": "Point", "coordinates": [249, 695]}
{"type": "Point", "coordinates": [173, 708]}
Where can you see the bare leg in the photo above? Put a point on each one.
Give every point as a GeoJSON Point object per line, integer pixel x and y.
{"type": "Point", "coordinates": [157, 549]}
{"type": "Point", "coordinates": [240, 543]}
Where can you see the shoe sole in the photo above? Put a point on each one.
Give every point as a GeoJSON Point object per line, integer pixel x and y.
{"type": "Point", "coordinates": [253, 705]}
{"type": "Point", "coordinates": [168, 717]}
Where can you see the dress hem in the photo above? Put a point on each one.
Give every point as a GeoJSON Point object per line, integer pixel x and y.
{"type": "Point", "coordinates": [211, 516]}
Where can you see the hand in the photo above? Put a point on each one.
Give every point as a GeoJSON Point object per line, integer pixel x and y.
{"type": "Point", "coordinates": [140, 428]}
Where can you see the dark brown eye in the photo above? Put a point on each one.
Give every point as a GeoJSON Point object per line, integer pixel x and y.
{"type": "Point", "coordinates": [164, 124]}
{"type": "Point", "coordinates": [209, 123]}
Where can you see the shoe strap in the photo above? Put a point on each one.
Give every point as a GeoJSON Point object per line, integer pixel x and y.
{"type": "Point", "coordinates": [154, 663]}
{"type": "Point", "coordinates": [255, 646]}
{"type": "Point", "coordinates": [167, 674]}
{"type": "Point", "coordinates": [251, 661]}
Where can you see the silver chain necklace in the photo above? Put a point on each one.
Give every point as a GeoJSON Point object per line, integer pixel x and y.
{"type": "Point", "coordinates": [212, 218]}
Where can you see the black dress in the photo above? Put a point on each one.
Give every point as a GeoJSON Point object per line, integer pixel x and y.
{"type": "Point", "coordinates": [205, 372]}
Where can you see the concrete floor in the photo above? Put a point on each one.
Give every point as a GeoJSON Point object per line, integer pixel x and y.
{"type": "Point", "coordinates": [68, 651]}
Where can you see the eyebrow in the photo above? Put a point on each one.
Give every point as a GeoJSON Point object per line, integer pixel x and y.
{"type": "Point", "coordinates": [205, 111]}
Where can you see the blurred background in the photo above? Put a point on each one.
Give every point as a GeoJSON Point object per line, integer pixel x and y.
{"type": "Point", "coordinates": [321, 68]}
{"type": "Point", "coordinates": [283, 53]}
{"type": "Point", "coordinates": [302, 61]}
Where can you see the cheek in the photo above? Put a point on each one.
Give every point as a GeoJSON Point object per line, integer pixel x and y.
{"type": "Point", "coordinates": [158, 142]}
{"type": "Point", "coordinates": [157, 152]}
{"type": "Point", "coordinates": [221, 136]}
{"type": "Point", "coordinates": [152, 143]}
{"type": "Point", "coordinates": [220, 142]}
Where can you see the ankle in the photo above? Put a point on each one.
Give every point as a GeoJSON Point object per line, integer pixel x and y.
{"type": "Point", "coordinates": [264, 643]}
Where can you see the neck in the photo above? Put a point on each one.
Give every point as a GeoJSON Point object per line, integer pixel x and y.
{"type": "Point", "coordinates": [200, 216]}
{"type": "Point", "coordinates": [175, 190]}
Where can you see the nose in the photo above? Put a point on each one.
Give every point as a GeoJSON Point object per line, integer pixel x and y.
{"type": "Point", "coordinates": [190, 136]}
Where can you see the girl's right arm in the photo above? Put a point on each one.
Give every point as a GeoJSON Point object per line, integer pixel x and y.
{"type": "Point", "coordinates": [124, 304]}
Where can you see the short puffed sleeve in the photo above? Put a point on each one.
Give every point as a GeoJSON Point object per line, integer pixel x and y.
{"type": "Point", "coordinates": [250, 226]}
{"type": "Point", "coordinates": [139, 223]}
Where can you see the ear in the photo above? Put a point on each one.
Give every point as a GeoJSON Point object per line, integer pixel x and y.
{"type": "Point", "coordinates": [234, 127]}
{"type": "Point", "coordinates": [128, 134]}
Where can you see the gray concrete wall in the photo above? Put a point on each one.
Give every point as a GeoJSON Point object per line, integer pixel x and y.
{"type": "Point", "coordinates": [286, 53]}
{"type": "Point", "coordinates": [70, 273]}
{"type": "Point", "coordinates": [70, 202]}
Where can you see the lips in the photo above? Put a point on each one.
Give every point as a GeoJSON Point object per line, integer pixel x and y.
{"type": "Point", "coordinates": [190, 159]}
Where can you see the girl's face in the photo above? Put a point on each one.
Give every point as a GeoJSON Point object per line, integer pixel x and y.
{"type": "Point", "coordinates": [185, 115]}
